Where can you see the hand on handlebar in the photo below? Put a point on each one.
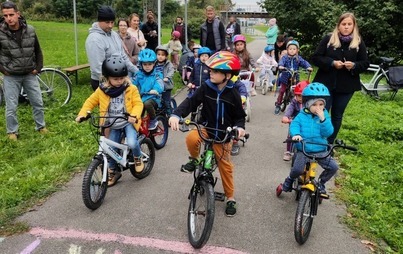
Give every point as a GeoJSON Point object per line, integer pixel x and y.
{"type": "Point", "coordinates": [241, 133]}
{"type": "Point", "coordinates": [79, 119]}
{"type": "Point", "coordinates": [285, 119]}
{"type": "Point", "coordinates": [310, 69]}
{"type": "Point", "coordinates": [174, 123]}
{"type": "Point", "coordinates": [297, 138]}
{"type": "Point", "coordinates": [153, 92]}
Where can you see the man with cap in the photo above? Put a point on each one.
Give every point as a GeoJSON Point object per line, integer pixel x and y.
{"type": "Point", "coordinates": [102, 43]}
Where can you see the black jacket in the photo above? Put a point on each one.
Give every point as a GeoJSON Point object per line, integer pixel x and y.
{"type": "Point", "coordinates": [343, 80]}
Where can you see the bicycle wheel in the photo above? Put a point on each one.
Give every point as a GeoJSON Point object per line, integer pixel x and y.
{"type": "Point", "coordinates": [148, 154]}
{"type": "Point", "coordinates": [93, 189]}
{"type": "Point", "coordinates": [248, 109]}
{"type": "Point", "coordinates": [286, 100]}
{"type": "Point", "coordinates": [265, 86]}
{"type": "Point", "coordinates": [382, 87]}
{"type": "Point", "coordinates": [159, 136]}
{"type": "Point", "coordinates": [201, 214]}
{"type": "Point", "coordinates": [303, 217]}
{"type": "Point", "coordinates": [174, 105]}
{"type": "Point", "coordinates": [55, 87]}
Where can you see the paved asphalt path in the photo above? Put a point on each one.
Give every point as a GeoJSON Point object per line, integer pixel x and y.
{"type": "Point", "coordinates": [150, 215]}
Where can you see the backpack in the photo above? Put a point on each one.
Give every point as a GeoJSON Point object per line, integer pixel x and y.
{"type": "Point", "coordinates": [396, 77]}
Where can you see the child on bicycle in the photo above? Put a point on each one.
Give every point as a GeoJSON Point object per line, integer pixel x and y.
{"type": "Point", "coordinates": [292, 111]}
{"type": "Point", "coordinates": [313, 124]}
{"type": "Point", "coordinates": [200, 71]}
{"type": "Point", "coordinates": [291, 61]}
{"type": "Point", "coordinates": [150, 84]}
{"type": "Point", "coordinates": [268, 63]}
{"type": "Point", "coordinates": [222, 108]}
{"type": "Point", "coordinates": [246, 59]}
{"type": "Point", "coordinates": [116, 96]}
{"type": "Point", "coordinates": [166, 68]}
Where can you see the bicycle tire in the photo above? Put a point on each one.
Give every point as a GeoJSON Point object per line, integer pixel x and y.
{"type": "Point", "coordinates": [303, 217]}
{"type": "Point", "coordinates": [159, 136]}
{"type": "Point", "coordinates": [381, 85]}
{"type": "Point", "coordinates": [93, 189]}
{"type": "Point", "coordinates": [248, 110]}
{"type": "Point", "coordinates": [286, 100]}
{"type": "Point", "coordinates": [201, 214]}
{"type": "Point", "coordinates": [148, 154]}
{"type": "Point", "coordinates": [55, 86]}
{"type": "Point", "coordinates": [265, 86]}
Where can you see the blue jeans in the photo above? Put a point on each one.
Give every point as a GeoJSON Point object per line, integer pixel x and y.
{"type": "Point", "coordinates": [166, 99]}
{"type": "Point", "coordinates": [336, 105]}
{"type": "Point", "coordinates": [12, 88]}
{"type": "Point", "coordinates": [131, 139]}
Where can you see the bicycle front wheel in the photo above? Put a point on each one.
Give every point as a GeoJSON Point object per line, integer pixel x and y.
{"type": "Point", "coordinates": [55, 87]}
{"type": "Point", "coordinates": [201, 214]}
{"type": "Point", "coordinates": [159, 136]}
{"type": "Point", "coordinates": [382, 87]}
{"type": "Point", "coordinates": [148, 156]}
{"type": "Point", "coordinates": [93, 189]}
{"type": "Point", "coordinates": [303, 217]}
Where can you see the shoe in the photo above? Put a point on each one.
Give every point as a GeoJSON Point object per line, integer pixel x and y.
{"type": "Point", "coordinates": [43, 130]}
{"type": "Point", "coordinates": [139, 164]}
{"type": "Point", "coordinates": [287, 185]}
{"type": "Point", "coordinates": [190, 166]}
{"type": "Point", "coordinates": [287, 156]}
{"type": "Point", "coordinates": [12, 136]}
{"type": "Point", "coordinates": [113, 178]}
{"type": "Point", "coordinates": [277, 110]}
{"type": "Point", "coordinates": [322, 190]}
{"type": "Point", "coordinates": [153, 124]}
{"type": "Point", "coordinates": [235, 149]}
{"type": "Point", "coordinates": [230, 210]}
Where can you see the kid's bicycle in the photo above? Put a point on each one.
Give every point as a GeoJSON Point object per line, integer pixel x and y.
{"type": "Point", "coordinates": [307, 191]}
{"type": "Point", "coordinates": [202, 196]}
{"type": "Point", "coordinates": [95, 180]}
{"type": "Point", "coordinates": [266, 80]}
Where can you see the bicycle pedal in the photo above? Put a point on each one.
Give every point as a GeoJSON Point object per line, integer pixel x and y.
{"type": "Point", "coordinates": [324, 196]}
{"type": "Point", "coordinates": [219, 196]}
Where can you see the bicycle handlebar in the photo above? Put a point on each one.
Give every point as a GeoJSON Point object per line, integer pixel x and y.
{"type": "Point", "coordinates": [94, 118]}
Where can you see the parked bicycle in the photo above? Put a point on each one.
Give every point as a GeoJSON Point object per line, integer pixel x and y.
{"type": "Point", "coordinates": [95, 180]}
{"type": "Point", "coordinates": [202, 196]}
{"type": "Point", "coordinates": [307, 191]}
{"type": "Point", "coordinates": [55, 87]}
{"type": "Point", "coordinates": [381, 84]}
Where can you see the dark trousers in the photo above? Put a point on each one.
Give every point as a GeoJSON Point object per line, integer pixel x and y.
{"type": "Point", "coordinates": [94, 84]}
{"type": "Point", "coordinates": [150, 106]}
{"type": "Point", "coordinates": [166, 99]}
{"type": "Point", "coordinates": [336, 105]}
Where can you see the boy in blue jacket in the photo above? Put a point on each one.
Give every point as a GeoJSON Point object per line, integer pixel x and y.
{"type": "Point", "coordinates": [312, 124]}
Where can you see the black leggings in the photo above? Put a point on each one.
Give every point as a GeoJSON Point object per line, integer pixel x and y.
{"type": "Point", "coordinates": [336, 105]}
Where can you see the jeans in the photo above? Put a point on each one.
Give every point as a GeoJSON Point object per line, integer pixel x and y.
{"type": "Point", "coordinates": [131, 139]}
{"type": "Point", "coordinates": [166, 99]}
{"type": "Point", "coordinates": [12, 88]}
{"type": "Point", "coordinates": [336, 105]}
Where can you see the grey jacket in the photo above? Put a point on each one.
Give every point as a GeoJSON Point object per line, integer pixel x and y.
{"type": "Point", "coordinates": [100, 45]}
{"type": "Point", "coordinates": [168, 71]}
{"type": "Point", "coordinates": [219, 35]}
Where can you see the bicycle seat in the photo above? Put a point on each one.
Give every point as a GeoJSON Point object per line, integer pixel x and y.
{"type": "Point", "coordinates": [387, 59]}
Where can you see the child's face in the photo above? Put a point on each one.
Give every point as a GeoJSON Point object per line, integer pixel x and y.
{"type": "Point", "coordinates": [116, 81]}
{"type": "Point", "coordinates": [203, 57]}
{"type": "Point", "coordinates": [318, 106]}
{"type": "Point", "coordinates": [195, 52]}
{"type": "Point", "coordinates": [298, 97]}
{"type": "Point", "coordinates": [217, 77]}
{"type": "Point", "coordinates": [239, 46]}
{"type": "Point", "coordinates": [161, 56]}
{"type": "Point", "coordinates": [292, 50]}
{"type": "Point", "coordinates": [147, 67]}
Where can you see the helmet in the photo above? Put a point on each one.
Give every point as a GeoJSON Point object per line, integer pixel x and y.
{"type": "Point", "coordinates": [315, 90]}
{"type": "Point", "coordinates": [147, 56]}
{"type": "Point", "coordinates": [268, 48]}
{"type": "Point", "coordinates": [176, 34]}
{"type": "Point", "coordinates": [300, 86]}
{"type": "Point", "coordinates": [293, 42]}
{"type": "Point", "coordinates": [204, 50]}
{"type": "Point", "coordinates": [239, 37]}
{"type": "Point", "coordinates": [162, 48]}
{"type": "Point", "coordinates": [114, 67]}
{"type": "Point", "coordinates": [224, 61]}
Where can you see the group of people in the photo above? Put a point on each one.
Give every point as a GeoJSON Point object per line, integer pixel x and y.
{"type": "Point", "coordinates": [129, 84]}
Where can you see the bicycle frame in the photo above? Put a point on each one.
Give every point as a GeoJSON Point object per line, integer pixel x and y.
{"type": "Point", "coordinates": [308, 178]}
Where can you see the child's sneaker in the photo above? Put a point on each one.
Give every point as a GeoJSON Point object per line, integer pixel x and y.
{"type": "Point", "coordinates": [114, 177]}
{"type": "Point", "coordinates": [235, 149]}
{"type": "Point", "coordinates": [153, 124]}
{"type": "Point", "coordinates": [277, 110]}
{"type": "Point", "coordinates": [322, 190]}
{"type": "Point", "coordinates": [190, 166]}
{"type": "Point", "coordinates": [287, 156]}
{"type": "Point", "coordinates": [139, 164]}
{"type": "Point", "coordinates": [287, 185]}
{"type": "Point", "coordinates": [230, 210]}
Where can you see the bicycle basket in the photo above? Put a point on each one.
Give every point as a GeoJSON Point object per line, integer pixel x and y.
{"type": "Point", "coordinates": [396, 77]}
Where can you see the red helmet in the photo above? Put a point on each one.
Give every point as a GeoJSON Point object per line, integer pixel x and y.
{"type": "Point", "coordinates": [225, 62]}
{"type": "Point", "coordinates": [176, 34]}
{"type": "Point", "coordinates": [300, 86]}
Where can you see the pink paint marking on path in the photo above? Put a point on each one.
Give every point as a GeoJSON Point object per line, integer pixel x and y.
{"type": "Point", "coordinates": [31, 247]}
{"type": "Point", "coordinates": [176, 246]}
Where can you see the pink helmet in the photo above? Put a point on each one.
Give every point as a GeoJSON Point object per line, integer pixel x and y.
{"type": "Point", "coordinates": [176, 34]}
{"type": "Point", "coordinates": [239, 37]}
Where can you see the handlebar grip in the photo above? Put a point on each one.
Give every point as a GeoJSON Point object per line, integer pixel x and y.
{"type": "Point", "coordinates": [352, 148]}
{"type": "Point", "coordinates": [246, 136]}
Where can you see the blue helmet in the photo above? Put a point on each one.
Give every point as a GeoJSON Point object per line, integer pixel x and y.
{"type": "Point", "coordinates": [204, 50]}
{"type": "Point", "coordinates": [147, 56]}
{"type": "Point", "coordinates": [315, 90]}
{"type": "Point", "coordinates": [293, 42]}
{"type": "Point", "coordinates": [268, 48]}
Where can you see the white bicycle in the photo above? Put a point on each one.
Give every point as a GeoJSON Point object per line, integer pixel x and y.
{"type": "Point", "coordinates": [266, 77]}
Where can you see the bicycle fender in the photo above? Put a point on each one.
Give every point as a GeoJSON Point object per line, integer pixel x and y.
{"type": "Point", "coordinates": [308, 186]}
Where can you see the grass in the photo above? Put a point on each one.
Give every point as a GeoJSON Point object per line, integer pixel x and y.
{"type": "Point", "coordinates": [36, 166]}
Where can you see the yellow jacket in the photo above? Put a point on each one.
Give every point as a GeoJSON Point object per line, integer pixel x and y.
{"type": "Point", "coordinates": [133, 103]}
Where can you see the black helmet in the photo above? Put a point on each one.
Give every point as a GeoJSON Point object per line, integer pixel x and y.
{"type": "Point", "coordinates": [114, 67]}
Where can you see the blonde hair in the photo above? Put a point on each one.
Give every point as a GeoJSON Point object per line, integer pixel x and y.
{"type": "Point", "coordinates": [105, 80]}
{"type": "Point", "coordinates": [209, 8]}
{"type": "Point", "coordinates": [334, 38]}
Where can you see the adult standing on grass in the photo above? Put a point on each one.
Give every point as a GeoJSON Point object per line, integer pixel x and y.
{"type": "Point", "coordinates": [341, 56]}
{"type": "Point", "coordinates": [212, 32]}
{"type": "Point", "coordinates": [20, 60]}
{"type": "Point", "coordinates": [129, 42]}
{"type": "Point", "coordinates": [103, 43]}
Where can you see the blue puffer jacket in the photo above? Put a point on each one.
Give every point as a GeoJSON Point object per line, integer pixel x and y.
{"type": "Point", "coordinates": [199, 73]}
{"type": "Point", "coordinates": [291, 63]}
{"type": "Point", "coordinates": [311, 129]}
{"type": "Point", "coordinates": [146, 83]}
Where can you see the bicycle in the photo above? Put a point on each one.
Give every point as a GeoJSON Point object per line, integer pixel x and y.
{"type": "Point", "coordinates": [266, 80]}
{"type": "Point", "coordinates": [95, 180]}
{"type": "Point", "coordinates": [54, 84]}
{"type": "Point", "coordinates": [202, 195]}
{"type": "Point", "coordinates": [307, 191]}
{"type": "Point", "coordinates": [380, 84]}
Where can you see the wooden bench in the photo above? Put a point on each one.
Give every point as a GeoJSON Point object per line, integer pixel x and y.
{"type": "Point", "coordinates": [73, 70]}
